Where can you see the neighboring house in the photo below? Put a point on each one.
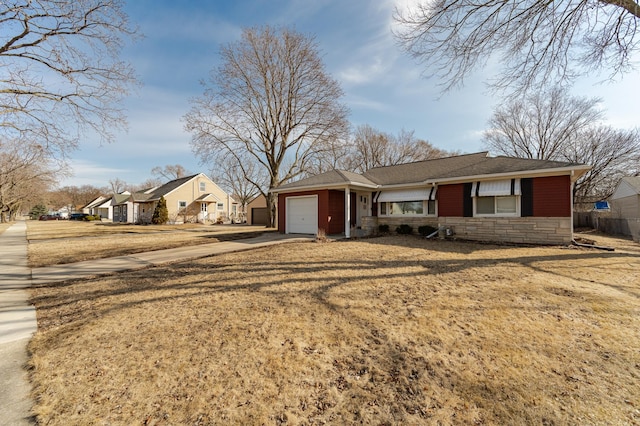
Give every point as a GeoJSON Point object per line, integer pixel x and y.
{"type": "Point", "coordinates": [99, 206]}
{"type": "Point", "coordinates": [257, 212]}
{"type": "Point", "coordinates": [475, 196]}
{"type": "Point", "coordinates": [122, 207]}
{"type": "Point", "coordinates": [625, 200]}
{"type": "Point", "coordinates": [189, 199]}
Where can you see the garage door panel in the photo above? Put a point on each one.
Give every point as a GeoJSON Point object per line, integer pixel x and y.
{"type": "Point", "coordinates": [259, 216]}
{"type": "Point", "coordinates": [302, 215]}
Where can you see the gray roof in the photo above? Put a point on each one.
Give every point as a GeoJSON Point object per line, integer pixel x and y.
{"type": "Point", "coordinates": [167, 188]}
{"type": "Point", "coordinates": [497, 165]}
{"type": "Point", "coordinates": [423, 170]}
{"type": "Point", "coordinates": [330, 178]}
{"type": "Point", "coordinates": [120, 198]}
{"type": "Point", "coordinates": [478, 164]}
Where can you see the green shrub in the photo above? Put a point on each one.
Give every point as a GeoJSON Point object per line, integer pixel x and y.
{"type": "Point", "coordinates": [404, 229]}
{"type": "Point", "coordinates": [37, 211]}
{"type": "Point", "coordinates": [160, 213]}
{"type": "Point", "coordinates": [426, 230]}
{"type": "Point", "coordinates": [383, 229]}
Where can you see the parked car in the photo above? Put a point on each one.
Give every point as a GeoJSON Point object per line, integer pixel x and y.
{"type": "Point", "coordinates": [49, 217]}
{"type": "Point", "coordinates": [78, 216]}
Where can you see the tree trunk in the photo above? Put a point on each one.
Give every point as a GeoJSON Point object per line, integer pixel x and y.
{"type": "Point", "coordinates": [272, 200]}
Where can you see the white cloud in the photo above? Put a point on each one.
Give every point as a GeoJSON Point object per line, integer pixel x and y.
{"type": "Point", "coordinates": [364, 73]}
{"type": "Point", "coordinates": [87, 172]}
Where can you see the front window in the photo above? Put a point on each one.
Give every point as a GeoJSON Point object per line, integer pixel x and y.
{"type": "Point", "coordinates": [203, 186]}
{"type": "Point", "coordinates": [203, 207]}
{"type": "Point", "coordinates": [182, 204]}
{"type": "Point", "coordinates": [500, 206]}
{"type": "Point", "coordinates": [408, 208]}
{"type": "Point", "coordinates": [220, 206]}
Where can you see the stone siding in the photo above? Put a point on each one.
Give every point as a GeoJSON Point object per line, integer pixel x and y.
{"type": "Point", "coordinates": [529, 230]}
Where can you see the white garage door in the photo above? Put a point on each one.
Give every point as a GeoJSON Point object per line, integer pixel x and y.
{"type": "Point", "coordinates": [302, 215]}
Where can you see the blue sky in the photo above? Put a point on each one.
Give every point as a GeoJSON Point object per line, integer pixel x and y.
{"type": "Point", "coordinates": [383, 87]}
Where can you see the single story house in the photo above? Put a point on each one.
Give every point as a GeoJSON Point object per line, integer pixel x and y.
{"type": "Point", "coordinates": [474, 196]}
{"type": "Point", "coordinates": [99, 206]}
{"type": "Point", "coordinates": [193, 198]}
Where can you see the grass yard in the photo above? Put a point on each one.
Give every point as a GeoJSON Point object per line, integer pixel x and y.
{"type": "Point", "coordinates": [385, 331]}
{"type": "Point", "coordinates": [56, 242]}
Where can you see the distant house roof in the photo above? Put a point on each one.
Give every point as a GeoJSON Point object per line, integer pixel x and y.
{"type": "Point", "coordinates": [469, 166]}
{"type": "Point", "coordinates": [628, 185]}
{"type": "Point", "coordinates": [95, 202]}
{"type": "Point", "coordinates": [168, 187]}
{"type": "Point", "coordinates": [121, 198]}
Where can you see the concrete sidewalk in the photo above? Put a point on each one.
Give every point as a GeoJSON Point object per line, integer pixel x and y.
{"type": "Point", "coordinates": [111, 265]}
{"type": "Point", "coordinates": [17, 325]}
{"type": "Point", "coordinates": [18, 318]}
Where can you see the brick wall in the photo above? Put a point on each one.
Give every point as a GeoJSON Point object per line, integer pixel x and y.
{"type": "Point", "coordinates": [530, 230]}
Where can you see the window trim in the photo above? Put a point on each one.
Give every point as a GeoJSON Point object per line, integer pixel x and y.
{"type": "Point", "coordinates": [495, 206]}
{"type": "Point", "coordinates": [425, 209]}
{"type": "Point", "coordinates": [202, 186]}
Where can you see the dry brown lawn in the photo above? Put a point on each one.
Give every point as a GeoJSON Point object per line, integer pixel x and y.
{"type": "Point", "coordinates": [390, 330]}
{"type": "Point", "coordinates": [57, 242]}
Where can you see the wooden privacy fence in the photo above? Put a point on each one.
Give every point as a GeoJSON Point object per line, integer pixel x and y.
{"type": "Point", "coordinates": [607, 225]}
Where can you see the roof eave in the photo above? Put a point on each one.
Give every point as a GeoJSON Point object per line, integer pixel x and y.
{"type": "Point", "coordinates": [325, 186]}
{"type": "Point", "coordinates": [574, 171]}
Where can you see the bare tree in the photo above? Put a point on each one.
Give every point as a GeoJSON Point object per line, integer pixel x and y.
{"type": "Point", "coordinates": [537, 41]}
{"type": "Point", "coordinates": [272, 101]}
{"type": "Point", "coordinates": [541, 125]}
{"type": "Point", "coordinates": [117, 185]}
{"type": "Point", "coordinates": [555, 126]}
{"type": "Point", "coordinates": [611, 153]}
{"type": "Point", "coordinates": [169, 172]}
{"type": "Point", "coordinates": [145, 185]}
{"type": "Point", "coordinates": [25, 175]}
{"type": "Point", "coordinates": [244, 181]}
{"type": "Point", "coordinates": [373, 148]}
{"type": "Point", "coordinates": [60, 72]}
{"type": "Point", "coordinates": [74, 196]}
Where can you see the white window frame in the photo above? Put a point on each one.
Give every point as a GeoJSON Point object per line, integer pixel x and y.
{"type": "Point", "coordinates": [495, 206]}
{"type": "Point", "coordinates": [220, 206]}
{"type": "Point", "coordinates": [203, 186]}
{"type": "Point", "coordinates": [180, 206]}
{"type": "Point", "coordinates": [203, 207]}
{"type": "Point", "coordinates": [425, 209]}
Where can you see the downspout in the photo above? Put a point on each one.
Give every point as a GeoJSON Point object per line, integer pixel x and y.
{"type": "Point", "coordinates": [347, 212]}
{"type": "Point", "coordinates": [571, 197]}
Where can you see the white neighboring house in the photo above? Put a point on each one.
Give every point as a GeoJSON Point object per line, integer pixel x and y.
{"type": "Point", "coordinates": [625, 205]}
{"type": "Point", "coordinates": [625, 200]}
{"type": "Point", "coordinates": [100, 206]}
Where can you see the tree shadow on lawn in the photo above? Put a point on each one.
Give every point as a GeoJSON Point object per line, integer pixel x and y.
{"type": "Point", "coordinates": [285, 272]}
{"type": "Point", "coordinates": [376, 357]}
